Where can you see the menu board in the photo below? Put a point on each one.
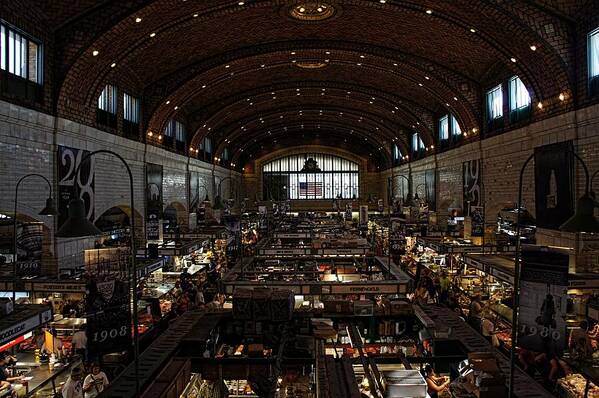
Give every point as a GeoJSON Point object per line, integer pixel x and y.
{"type": "Point", "coordinates": [68, 161]}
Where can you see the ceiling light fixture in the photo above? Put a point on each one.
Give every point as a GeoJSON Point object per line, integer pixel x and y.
{"type": "Point", "coordinates": [195, 15]}
{"type": "Point", "coordinates": [540, 105]}
{"type": "Point", "coordinates": [113, 65]}
{"type": "Point", "coordinates": [138, 20]}
{"type": "Point", "coordinates": [176, 107]}
{"type": "Point", "coordinates": [168, 102]}
{"type": "Point", "coordinates": [513, 59]}
{"type": "Point", "coordinates": [472, 30]}
{"type": "Point", "coordinates": [152, 34]}
{"type": "Point", "coordinates": [95, 53]}
{"type": "Point", "coordinates": [562, 97]}
{"type": "Point", "coordinates": [429, 12]}
{"type": "Point", "coordinates": [533, 47]}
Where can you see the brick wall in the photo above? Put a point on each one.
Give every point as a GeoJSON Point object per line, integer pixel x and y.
{"type": "Point", "coordinates": [28, 142]}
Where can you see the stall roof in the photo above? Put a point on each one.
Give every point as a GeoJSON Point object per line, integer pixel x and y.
{"type": "Point", "coordinates": [444, 247]}
{"type": "Point", "coordinates": [502, 267]}
{"type": "Point", "coordinates": [23, 319]}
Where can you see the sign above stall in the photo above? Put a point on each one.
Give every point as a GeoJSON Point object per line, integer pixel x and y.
{"type": "Point", "coordinates": [19, 328]}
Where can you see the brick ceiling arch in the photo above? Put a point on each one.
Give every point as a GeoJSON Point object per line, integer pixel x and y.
{"type": "Point", "coordinates": [386, 115]}
{"type": "Point", "coordinates": [365, 125]}
{"type": "Point", "coordinates": [177, 43]}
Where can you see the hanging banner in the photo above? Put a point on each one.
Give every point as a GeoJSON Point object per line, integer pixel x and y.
{"type": "Point", "coordinates": [554, 184]}
{"type": "Point", "coordinates": [108, 310]}
{"type": "Point", "coordinates": [29, 249]}
{"type": "Point", "coordinates": [472, 176]}
{"type": "Point", "coordinates": [194, 191]}
{"type": "Point", "coordinates": [348, 212]}
{"type": "Point", "coordinates": [543, 300]}
{"type": "Point", "coordinates": [68, 161]}
{"type": "Point", "coordinates": [153, 201]}
{"type": "Point", "coordinates": [477, 221]}
{"type": "Point", "coordinates": [430, 189]}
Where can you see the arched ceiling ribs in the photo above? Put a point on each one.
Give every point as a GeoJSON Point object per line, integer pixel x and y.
{"type": "Point", "coordinates": [233, 135]}
{"type": "Point", "coordinates": [328, 134]}
{"type": "Point", "coordinates": [422, 88]}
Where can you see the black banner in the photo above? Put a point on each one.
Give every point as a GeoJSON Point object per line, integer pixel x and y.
{"type": "Point", "coordinates": [68, 161]}
{"type": "Point", "coordinates": [430, 191]}
{"type": "Point", "coordinates": [194, 193]}
{"type": "Point", "coordinates": [543, 299]}
{"type": "Point", "coordinates": [29, 248]}
{"type": "Point", "coordinates": [554, 184]}
{"type": "Point", "coordinates": [108, 312]}
{"type": "Point", "coordinates": [153, 200]}
{"type": "Point", "coordinates": [472, 174]}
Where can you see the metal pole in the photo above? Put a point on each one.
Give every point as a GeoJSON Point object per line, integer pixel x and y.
{"type": "Point", "coordinates": [133, 254]}
{"type": "Point", "coordinates": [391, 196]}
{"type": "Point", "coordinates": [14, 229]}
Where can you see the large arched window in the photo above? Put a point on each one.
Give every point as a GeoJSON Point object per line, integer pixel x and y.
{"type": "Point", "coordinates": [310, 176]}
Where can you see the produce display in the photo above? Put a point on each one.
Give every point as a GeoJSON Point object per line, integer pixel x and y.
{"type": "Point", "coordinates": [573, 386]}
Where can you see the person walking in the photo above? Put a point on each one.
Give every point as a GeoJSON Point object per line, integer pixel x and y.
{"type": "Point", "coordinates": [73, 388]}
{"type": "Point", "coordinates": [95, 382]}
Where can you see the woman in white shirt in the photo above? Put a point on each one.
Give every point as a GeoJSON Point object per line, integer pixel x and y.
{"type": "Point", "coordinates": [72, 388]}
{"type": "Point", "coordinates": [95, 382]}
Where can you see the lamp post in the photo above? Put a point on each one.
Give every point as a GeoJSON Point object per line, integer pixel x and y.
{"type": "Point", "coordinates": [583, 220]}
{"type": "Point", "coordinates": [48, 210]}
{"type": "Point", "coordinates": [77, 225]}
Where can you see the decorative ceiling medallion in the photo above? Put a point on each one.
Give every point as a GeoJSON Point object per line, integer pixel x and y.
{"type": "Point", "coordinates": [312, 11]}
{"type": "Point", "coordinates": [311, 64]}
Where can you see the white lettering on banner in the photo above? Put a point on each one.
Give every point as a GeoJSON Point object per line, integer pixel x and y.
{"type": "Point", "coordinates": [59, 288]}
{"type": "Point", "coordinates": [25, 326]}
{"type": "Point", "coordinates": [339, 289]}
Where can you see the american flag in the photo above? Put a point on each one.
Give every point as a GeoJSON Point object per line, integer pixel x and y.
{"type": "Point", "coordinates": [310, 188]}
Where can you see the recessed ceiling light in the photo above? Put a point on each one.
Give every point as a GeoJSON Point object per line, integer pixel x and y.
{"type": "Point", "coordinates": [420, 84]}
{"type": "Point", "coordinates": [361, 56]}
{"type": "Point", "coordinates": [429, 12]}
{"type": "Point", "coordinates": [327, 52]}
{"type": "Point", "coordinates": [533, 47]}
{"type": "Point", "coordinates": [427, 78]}
{"type": "Point", "coordinates": [540, 105]}
{"type": "Point", "coordinates": [395, 64]}
{"type": "Point", "coordinates": [138, 20]}
{"type": "Point", "coordinates": [455, 98]}
{"type": "Point", "coordinates": [294, 61]}
{"type": "Point", "coordinates": [203, 86]}
{"type": "Point", "coordinates": [562, 97]}
{"type": "Point", "coordinates": [382, 1]}
{"type": "Point", "coordinates": [513, 59]}
{"type": "Point", "coordinates": [262, 66]}
{"type": "Point", "coordinates": [472, 30]}
{"type": "Point", "coordinates": [195, 15]}
{"type": "Point", "coordinates": [292, 52]}
{"type": "Point", "coordinates": [359, 64]}
{"type": "Point", "coordinates": [241, 3]}
{"type": "Point", "coordinates": [113, 65]}
{"type": "Point", "coordinates": [168, 102]}
{"type": "Point", "coordinates": [227, 66]}
{"type": "Point", "coordinates": [95, 53]}
{"type": "Point", "coordinates": [152, 34]}
{"type": "Point", "coordinates": [176, 107]}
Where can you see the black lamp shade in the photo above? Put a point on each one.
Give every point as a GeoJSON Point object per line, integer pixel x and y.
{"type": "Point", "coordinates": [583, 219]}
{"type": "Point", "coordinates": [49, 209]}
{"type": "Point", "coordinates": [77, 225]}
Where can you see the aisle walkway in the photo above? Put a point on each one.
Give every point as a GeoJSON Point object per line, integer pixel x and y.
{"type": "Point", "coordinates": [525, 386]}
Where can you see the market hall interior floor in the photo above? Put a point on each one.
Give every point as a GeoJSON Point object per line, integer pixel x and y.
{"type": "Point", "coordinates": [299, 199]}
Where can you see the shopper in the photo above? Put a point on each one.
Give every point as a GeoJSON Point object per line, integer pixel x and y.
{"type": "Point", "coordinates": [579, 343]}
{"type": "Point", "coordinates": [79, 342]}
{"type": "Point", "coordinates": [488, 330]}
{"type": "Point", "coordinates": [444, 286]}
{"type": "Point", "coordinates": [421, 294]}
{"type": "Point", "coordinates": [95, 382]}
{"type": "Point", "coordinates": [6, 381]}
{"type": "Point", "coordinates": [73, 388]}
{"type": "Point", "coordinates": [475, 312]}
{"type": "Point", "coordinates": [434, 384]}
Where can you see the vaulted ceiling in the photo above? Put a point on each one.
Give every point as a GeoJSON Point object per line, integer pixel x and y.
{"type": "Point", "coordinates": [257, 75]}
